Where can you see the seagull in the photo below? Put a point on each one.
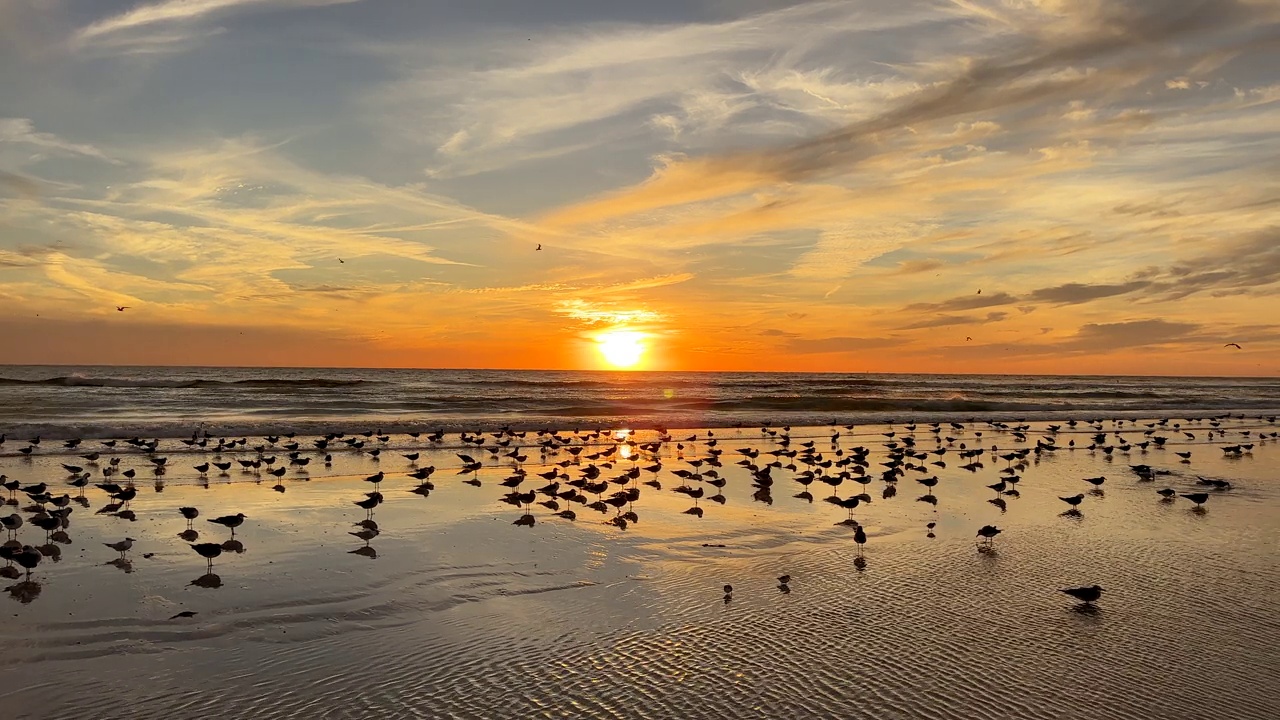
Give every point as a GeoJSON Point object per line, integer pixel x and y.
{"type": "Point", "coordinates": [190, 514]}
{"type": "Point", "coordinates": [121, 547]}
{"type": "Point", "coordinates": [1197, 498]}
{"type": "Point", "coordinates": [231, 521]}
{"type": "Point", "coordinates": [28, 557]}
{"type": "Point", "coordinates": [122, 308]}
{"type": "Point", "coordinates": [1087, 595]}
{"type": "Point", "coordinates": [1167, 493]}
{"type": "Point", "coordinates": [1074, 501]}
{"type": "Point", "coordinates": [989, 532]}
{"type": "Point", "coordinates": [208, 551]}
{"type": "Point", "coordinates": [1234, 345]}
{"type": "Point", "coordinates": [539, 246]}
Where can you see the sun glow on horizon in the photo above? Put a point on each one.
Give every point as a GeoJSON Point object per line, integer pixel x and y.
{"type": "Point", "coordinates": [622, 349]}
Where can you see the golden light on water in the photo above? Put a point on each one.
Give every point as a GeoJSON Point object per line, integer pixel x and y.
{"type": "Point", "coordinates": [622, 349]}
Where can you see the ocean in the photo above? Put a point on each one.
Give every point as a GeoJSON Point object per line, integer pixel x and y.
{"type": "Point", "coordinates": [64, 401]}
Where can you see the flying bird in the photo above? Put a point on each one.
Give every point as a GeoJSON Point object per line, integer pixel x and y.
{"type": "Point", "coordinates": [122, 308]}
{"type": "Point", "coordinates": [1234, 345]}
{"type": "Point", "coordinates": [539, 246]}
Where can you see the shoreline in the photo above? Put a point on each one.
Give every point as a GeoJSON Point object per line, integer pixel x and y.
{"type": "Point", "coordinates": [178, 429]}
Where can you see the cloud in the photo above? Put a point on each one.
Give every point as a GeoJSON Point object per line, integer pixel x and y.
{"type": "Point", "coordinates": [1043, 67]}
{"type": "Point", "coordinates": [1076, 293]}
{"type": "Point", "coordinates": [1107, 337]}
{"type": "Point", "coordinates": [19, 185]}
{"type": "Point", "coordinates": [186, 11]}
{"type": "Point", "coordinates": [948, 320]}
{"type": "Point", "coordinates": [22, 131]}
{"type": "Point", "coordinates": [597, 314]}
{"type": "Point", "coordinates": [839, 344]}
{"type": "Point", "coordinates": [912, 267]}
{"type": "Point", "coordinates": [964, 302]}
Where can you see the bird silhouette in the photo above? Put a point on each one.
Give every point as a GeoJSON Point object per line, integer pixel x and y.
{"type": "Point", "coordinates": [122, 308]}
{"type": "Point", "coordinates": [1234, 345]}
{"type": "Point", "coordinates": [1198, 498]}
{"type": "Point", "coordinates": [1086, 595]}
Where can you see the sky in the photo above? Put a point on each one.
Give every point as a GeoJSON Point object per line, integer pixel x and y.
{"type": "Point", "coordinates": [967, 186]}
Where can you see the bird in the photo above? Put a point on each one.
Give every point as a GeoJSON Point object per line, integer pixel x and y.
{"type": "Point", "coordinates": [1087, 595]}
{"type": "Point", "coordinates": [1096, 481]}
{"type": "Point", "coordinates": [28, 557]}
{"type": "Point", "coordinates": [11, 523]}
{"type": "Point", "coordinates": [784, 579]}
{"type": "Point", "coordinates": [121, 547]}
{"type": "Point", "coordinates": [1167, 493]}
{"type": "Point", "coordinates": [860, 537]}
{"type": "Point", "coordinates": [1074, 501]}
{"type": "Point", "coordinates": [189, 513]}
{"type": "Point", "coordinates": [184, 614]}
{"type": "Point", "coordinates": [341, 261]}
{"type": "Point", "coordinates": [988, 532]}
{"type": "Point", "coordinates": [1197, 498]}
{"type": "Point", "coordinates": [231, 521]}
{"type": "Point", "coordinates": [539, 246]}
{"type": "Point", "coordinates": [1234, 345]}
{"type": "Point", "coordinates": [122, 308]}
{"type": "Point", "coordinates": [208, 551]}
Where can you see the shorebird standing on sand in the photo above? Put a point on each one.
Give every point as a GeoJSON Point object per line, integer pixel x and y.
{"type": "Point", "coordinates": [121, 547]}
{"type": "Point", "coordinates": [988, 533]}
{"type": "Point", "coordinates": [1087, 595]}
{"type": "Point", "coordinates": [231, 521]}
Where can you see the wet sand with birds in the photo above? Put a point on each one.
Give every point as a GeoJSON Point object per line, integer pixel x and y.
{"type": "Point", "coordinates": [973, 569]}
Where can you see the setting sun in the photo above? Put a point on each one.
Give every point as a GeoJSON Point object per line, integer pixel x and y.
{"type": "Point", "coordinates": [621, 349]}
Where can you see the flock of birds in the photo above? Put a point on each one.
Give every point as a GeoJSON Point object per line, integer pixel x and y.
{"type": "Point", "coordinates": [606, 472]}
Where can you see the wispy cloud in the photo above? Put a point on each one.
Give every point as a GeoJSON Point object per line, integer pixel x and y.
{"type": "Point", "coordinates": [153, 24]}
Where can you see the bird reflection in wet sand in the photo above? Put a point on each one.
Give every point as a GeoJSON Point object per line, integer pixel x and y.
{"type": "Point", "coordinates": [209, 580]}
{"type": "Point", "coordinates": [25, 591]}
{"type": "Point", "coordinates": [122, 563]}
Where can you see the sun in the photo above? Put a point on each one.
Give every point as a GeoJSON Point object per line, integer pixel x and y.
{"type": "Point", "coordinates": [623, 349]}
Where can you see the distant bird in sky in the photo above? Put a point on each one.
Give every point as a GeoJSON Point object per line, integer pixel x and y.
{"type": "Point", "coordinates": [539, 246]}
{"type": "Point", "coordinates": [341, 261]}
{"type": "Point", "coordinates": [967, 338]}
{"type": "Point", "coordinates": [979, 291]}
{"type": "Point", "coordinates": [122, 308]}
{"type": "Point", "coordinates": [1234, 345]}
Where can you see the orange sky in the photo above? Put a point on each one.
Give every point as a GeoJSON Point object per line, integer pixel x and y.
{"type": "Point", "coordinates": [978, 186]}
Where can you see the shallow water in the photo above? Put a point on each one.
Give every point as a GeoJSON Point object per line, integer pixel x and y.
{"type": "Point", "coordinates": [464, 614]}
{"type": "Point", "coordinates": [63, 401]}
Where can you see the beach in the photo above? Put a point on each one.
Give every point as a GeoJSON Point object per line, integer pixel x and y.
{"type": "Point", "coordinates": [459, 608]}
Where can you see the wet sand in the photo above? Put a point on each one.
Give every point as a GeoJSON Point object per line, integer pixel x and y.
{"type": "Point", "coordinates": [454, 611]}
